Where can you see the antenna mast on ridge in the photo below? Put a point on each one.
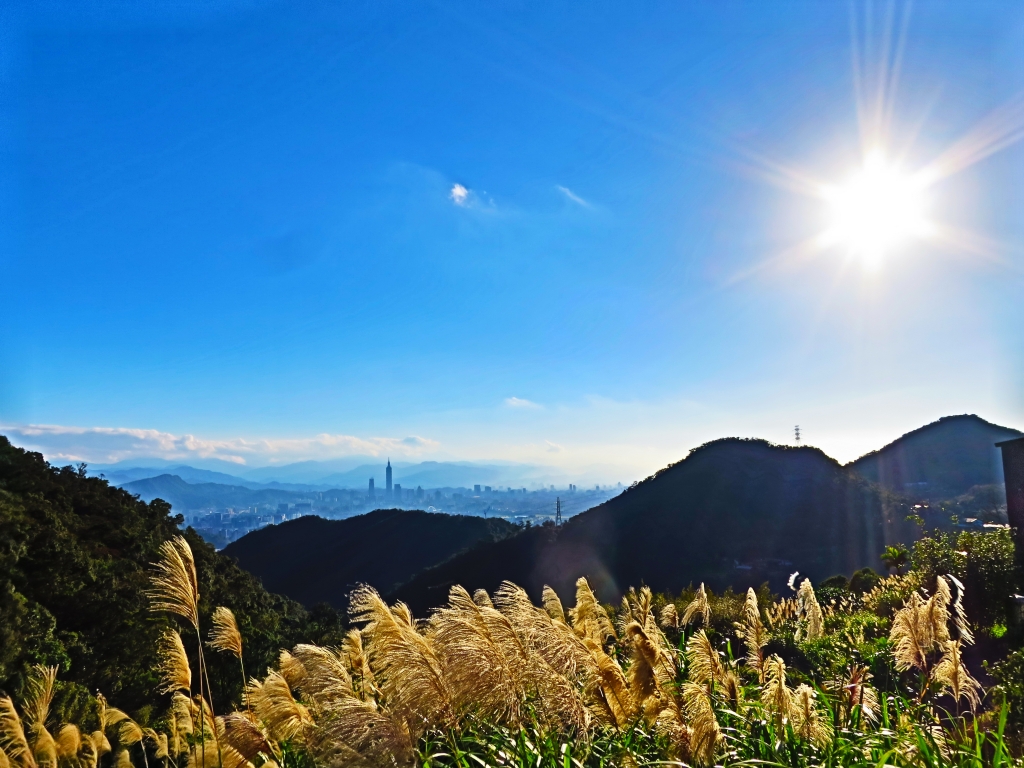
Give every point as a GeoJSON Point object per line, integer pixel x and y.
{"type": "Point", "coordinates": [796, 430]}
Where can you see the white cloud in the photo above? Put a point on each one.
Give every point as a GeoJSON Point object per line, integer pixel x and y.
{"type": "Point", "coordinates": [572, 196]}
{"type": "Point", "coordinates": [112, 444]}
{"type": "Point", "coordinates": [518, 402]}
{"type": "Point", "coordinates": [553, 447]}
{"type": "Point", "coordinates": [459, 194]}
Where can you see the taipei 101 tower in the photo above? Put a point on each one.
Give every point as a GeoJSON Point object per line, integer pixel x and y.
{"type": "Point", "coordinates": [387, 478]}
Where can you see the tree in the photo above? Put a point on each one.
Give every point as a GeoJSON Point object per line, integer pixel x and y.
{"type": "Point", "coordinates": [896, 558]}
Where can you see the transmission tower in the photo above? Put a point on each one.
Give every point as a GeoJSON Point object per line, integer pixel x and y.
{"type": "Point", "coordinates": [558, 510]}
{"type": "Point", "coordinates": [796, 431]}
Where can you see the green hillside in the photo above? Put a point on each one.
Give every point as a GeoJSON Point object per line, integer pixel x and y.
{"type": "Point", "coordinates": [733, 513]}
{"type": "Point", "coordinates": [940, 460]}
{"type": "Point", "coordinates": [75, 554]}
{"type": "Point", "coordinates": [313, 560]}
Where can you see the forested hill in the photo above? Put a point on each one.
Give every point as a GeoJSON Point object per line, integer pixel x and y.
{"type": "Point", "coordinates": [75, 554]}
{"type": "Point", "coordinates": [940, 460]}
{"type": "Point", "coordinates": [734, 512]}
{"type": "Point", "coordinates": [313, 560]}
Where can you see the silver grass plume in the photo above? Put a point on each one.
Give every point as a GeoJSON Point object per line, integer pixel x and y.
{"type": "Point", "coordinates": [589, 618]}
{"type": "Point", "coordinates": [174, 587]}
{"type": "Point", "coordinates": [359, 666]}
{"type": "Point", "coordinates": [553, 605]}
{"type": "Point", "coordinates": [407, 670]}
{"type": "Point", "coordinates": [275, 706]}
{"type": "Point", "coordinates": [703, 662]}
{"type": "Point", "coordinates": [224, 636]}
{"type": "Point", "coordinates": [699, 606]}
{"type": "Point", "coordinates": [776, 698]}
{"type": "Point", "coordinates": [483, 662]}
{"type": "Point", "coordinates": [753, 633]}
{"type": "Point", "coordinates": [952, 675]}
{"type": "Point", "coordinates": [68, 743]}
{"type": "Point", "coordinates": [808, 723]}
{"type": "Point", "coordinates": [705, 733]}
{"type": "Point", "coordinates": [670, 617]}
{"type": "Point", "coordinates": [812, 625]}
{"type": "Point", "coordinates": [175, 672]}
{"type": "Point", "coordinates": [13, 741]}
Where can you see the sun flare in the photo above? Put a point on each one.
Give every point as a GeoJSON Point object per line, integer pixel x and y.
{"type": "Point", "coordinates": [876, 211]}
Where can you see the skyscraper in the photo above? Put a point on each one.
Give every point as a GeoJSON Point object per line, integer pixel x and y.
{"type": "Point", "coordinates": [387, 479]}
{"type": "Point", "coordinates": [372, 493]}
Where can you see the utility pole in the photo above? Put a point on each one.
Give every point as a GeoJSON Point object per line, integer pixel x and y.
{"type": "Point", "coordinates": [797, 431]}
{"type": "Point", "coordinates": [558, 510]}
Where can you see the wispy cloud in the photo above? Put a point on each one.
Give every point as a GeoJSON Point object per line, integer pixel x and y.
{"type": "Point", "coordinates": [112, 444]}
{"type": "Point", "coordinates": [572, 196]}
{"type": "Point", "coordinates": [519, 402]}
{"type": "Point", "coordinates": [459, 195]}
{"type": "Point", "coordinates": [553, 447]}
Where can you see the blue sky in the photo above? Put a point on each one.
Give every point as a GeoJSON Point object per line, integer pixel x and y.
{"type": "Point", "coordinates": [541, 232]}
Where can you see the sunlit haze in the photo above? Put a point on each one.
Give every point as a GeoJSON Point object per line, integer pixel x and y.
{"type": "Point", "coordinates": [584, 237]}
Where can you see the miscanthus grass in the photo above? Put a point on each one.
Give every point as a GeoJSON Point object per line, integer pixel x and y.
{"type": "Point", "coordinates": [496, 680]}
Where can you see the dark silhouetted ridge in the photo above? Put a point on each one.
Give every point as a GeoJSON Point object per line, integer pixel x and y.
{"type": "Point", "coordinates": [313, 560]}
{"type": "Point", "coordinates": [733, 512]}
{"type": "Point", "coordinates": [943, 459]}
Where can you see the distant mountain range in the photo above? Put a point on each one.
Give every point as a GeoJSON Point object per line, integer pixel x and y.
{"type": "Point", "coordinates": [319, 561]}
{"type": "Point", "coordinates": [185, 496]}
{"type": "Point", "coordinates": [324, 475]}
{"type": "Point", "coordinates": [734, 512]}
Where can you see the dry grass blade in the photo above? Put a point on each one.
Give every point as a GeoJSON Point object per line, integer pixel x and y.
{"type": "Point", "coordinates": [175, 672]}
{"type": "Point", "coordinates": [752, 631]}
{"type": "Point", "coordinates": [12, 735]}
{"type": "Point", "coordinates": [174, 587]}
{"type": "Point", "coordinates": [224, 636]}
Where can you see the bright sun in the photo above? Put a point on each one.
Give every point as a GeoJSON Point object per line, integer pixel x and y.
{"type": "Point", "coordinates": [876, 211]}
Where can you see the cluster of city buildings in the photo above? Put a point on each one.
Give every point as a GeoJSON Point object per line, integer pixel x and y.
{"type": "Point", "coordinates": [221, 526]}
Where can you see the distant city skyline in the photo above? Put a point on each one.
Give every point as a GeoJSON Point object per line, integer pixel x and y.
{"type": "Point", "coordinates": [591, 241]}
